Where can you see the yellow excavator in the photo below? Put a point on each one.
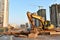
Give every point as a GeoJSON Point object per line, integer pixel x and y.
{"type": "Point", "coordinates": [43, 24]}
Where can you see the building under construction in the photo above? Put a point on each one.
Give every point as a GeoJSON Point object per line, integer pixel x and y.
{"type": "Point", "coordinates": [55, 14]}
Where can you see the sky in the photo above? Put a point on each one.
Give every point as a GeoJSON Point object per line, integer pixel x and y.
{"type": "Point", "coordinates": [19, 8]}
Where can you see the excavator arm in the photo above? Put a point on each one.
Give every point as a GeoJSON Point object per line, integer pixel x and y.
{"type": "Point", "coordinates": [30, 20]}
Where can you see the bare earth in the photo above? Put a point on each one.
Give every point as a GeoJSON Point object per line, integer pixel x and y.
{"type": "Point", "coordinates": [41, 37]}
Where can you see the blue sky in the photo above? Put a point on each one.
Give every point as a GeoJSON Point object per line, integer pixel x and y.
{"type": "Point", "coordinates": [18, 9]}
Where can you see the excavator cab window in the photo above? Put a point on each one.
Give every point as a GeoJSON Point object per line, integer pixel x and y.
{"type": "Point", "coordinates": [47, 23]}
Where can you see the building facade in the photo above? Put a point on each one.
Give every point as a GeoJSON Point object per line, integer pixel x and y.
{"type": "Point", "coordinates": [3, 13]}
{"type": "Point", "coordinates": [55, 14]}
{"type": "Point", "coordinates": [41, 12]}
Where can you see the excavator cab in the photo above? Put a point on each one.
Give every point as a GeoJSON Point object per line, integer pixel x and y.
{"type": "Point", "coordinates": [48, 25]}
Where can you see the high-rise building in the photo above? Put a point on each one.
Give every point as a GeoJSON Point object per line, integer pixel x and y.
{"type": "Point", "coordinates": [3, 13]}
{"type": "Point", "coordinates": [55, 14]}
{"type": "Point", "coordinates": [41, 12]}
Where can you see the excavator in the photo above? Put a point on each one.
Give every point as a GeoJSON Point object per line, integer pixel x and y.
{"type": "Point", "coordinates": [45, 25]}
